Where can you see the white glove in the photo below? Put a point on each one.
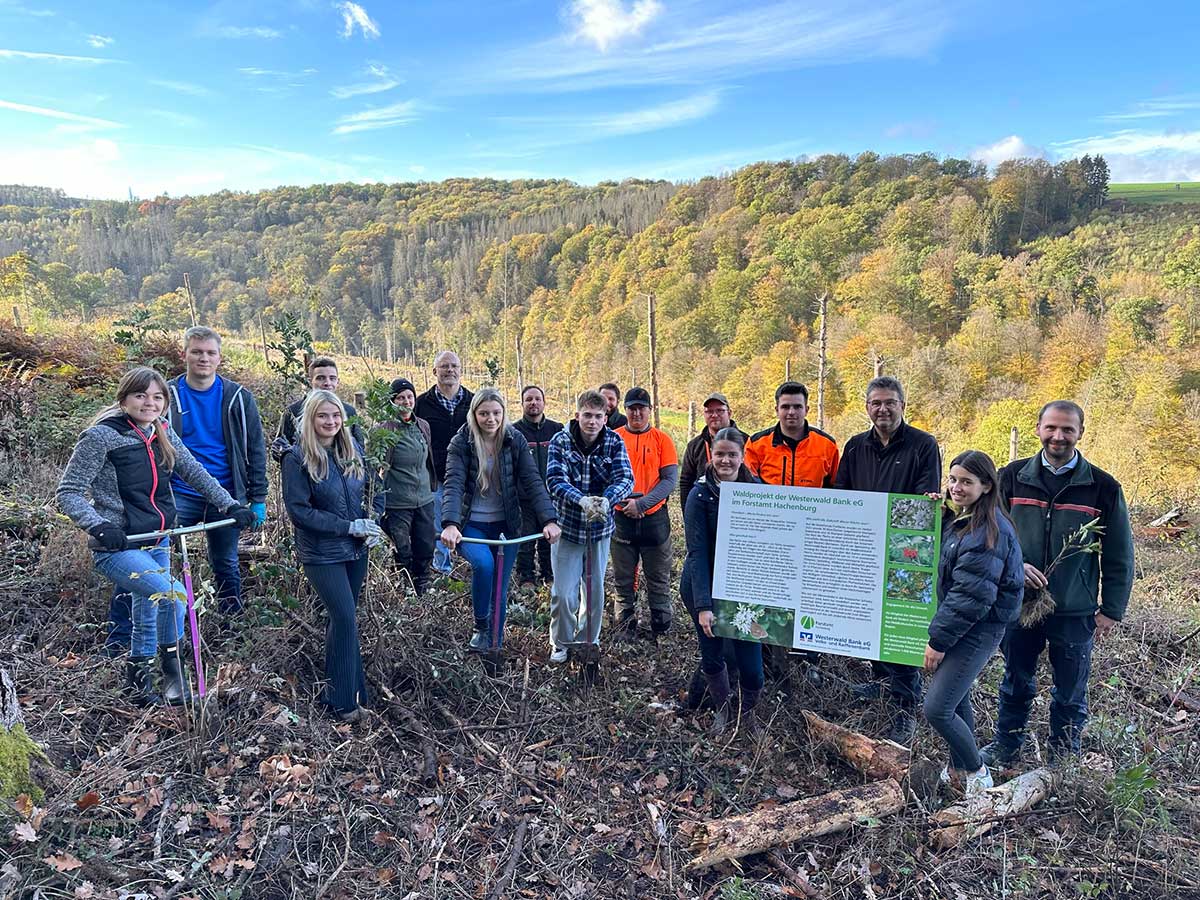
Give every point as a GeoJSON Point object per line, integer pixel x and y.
{"type": "Point", "coordinates": [365, 528]}
{"type": "Point", "coordinates": [374, 540]}
{"type": "Point", "coordinates": [595, 509]}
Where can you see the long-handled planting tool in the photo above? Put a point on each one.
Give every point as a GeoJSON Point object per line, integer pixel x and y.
{"type": "Point", "coordinates": [493, 659]}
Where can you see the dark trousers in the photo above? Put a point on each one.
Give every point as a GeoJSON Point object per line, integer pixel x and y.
{"type": "Point", "coordinates": [904, 683]}
{"type": "Point", "coordinates": [539, 548]}
{"type": "Point", "coordinates": [411, 531]}
{"type": "Point", "coordinates": [647, 540]}
{"type": "Point", "coordinates": [338, 586]}
{"type": "Point", "coordinates": [1069, 639]}
{"type": "Point", "coordinates": [714, 651]}
{"type": "Point", "coordinates": [948, 700]}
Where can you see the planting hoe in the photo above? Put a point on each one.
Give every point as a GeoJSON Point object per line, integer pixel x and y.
{"type": "Point", "coordinates": [493, 659]}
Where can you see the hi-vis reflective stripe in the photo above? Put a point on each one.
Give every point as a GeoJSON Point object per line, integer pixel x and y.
{"type": "Point", "coordinates": [1072, 507]}
{"type": "Point", "coordinates": [1028, 501]}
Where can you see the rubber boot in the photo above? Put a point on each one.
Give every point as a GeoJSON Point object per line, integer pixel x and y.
{"type": "Point", "coordinates": [718, 689]}
{"type": "Point", "coordinates": [752, 725]}
{"type": "Point", "coordinates": [481, 641]}
{"type": "Point", "coordinates": [175, 688]}
{"type": "Point", "coordinates": [139, 681]}
{"type": "Point", "coordinates": [660, 622]}
{"type": "Point", "coordinates": [626, 627]}
{"type": "Point", "coordinates": [697, 690]}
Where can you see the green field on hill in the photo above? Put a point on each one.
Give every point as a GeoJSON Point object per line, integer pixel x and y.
{"type": "Point", "coordinates": [1166, 192]}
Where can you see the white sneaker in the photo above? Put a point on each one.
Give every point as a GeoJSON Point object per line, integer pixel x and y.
{"type": "Point", "coordinates": [559, 655]}
{"type": "Point", "coordinates": [978, 782]}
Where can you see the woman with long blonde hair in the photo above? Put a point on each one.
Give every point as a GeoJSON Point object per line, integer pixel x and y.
{"type": "Point", "coordinates": [118, 483]}
{"type": "Point", "coordinates": [325, 492]}
{"type": "Point", "coordinates": [490, 475]}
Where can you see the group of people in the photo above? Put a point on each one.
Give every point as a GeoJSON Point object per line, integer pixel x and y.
{"type": "Point", "coordinates": [458, 475]}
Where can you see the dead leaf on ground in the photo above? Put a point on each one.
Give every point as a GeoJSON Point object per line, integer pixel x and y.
{"type": "Point", "coordinates": [24, 831]}
{"type": "Point", "coordinates": [63, 862]}
{"type": "Point", "coordinates": [88, 800]}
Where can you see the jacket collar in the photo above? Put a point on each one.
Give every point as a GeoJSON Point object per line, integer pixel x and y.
{"type": "Point", "coordinates": [778, 438]}
{"type": "Point", "coordinates": [577, 439]}
{"type": "Point", "coordinates": [898, 436]}
{"type": "Point", "coordinates": [1030, 473]}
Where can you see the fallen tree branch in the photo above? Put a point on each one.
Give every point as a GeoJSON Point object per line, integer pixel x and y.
{"type": "Point", "coordinates": [801, 881]}
{"type": "Point", "coordinates": [514, 856]}
{"type": "Point", "coordinates": [874, 758]}
{"type": "Point", "coordinates": [975, 816]}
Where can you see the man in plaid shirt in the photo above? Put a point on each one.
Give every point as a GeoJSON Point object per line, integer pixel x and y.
{"type": "Point", "coordinates": [587, 473]}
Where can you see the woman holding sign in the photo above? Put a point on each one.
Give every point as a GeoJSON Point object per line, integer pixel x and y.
{"type": "Point", "coordinates": [700, 528]}
{"type": "Point", "coordinates": [981, 579]}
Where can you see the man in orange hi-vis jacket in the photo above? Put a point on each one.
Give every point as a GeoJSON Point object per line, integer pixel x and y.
{"type": "Point", "coordinates": [793, 452]}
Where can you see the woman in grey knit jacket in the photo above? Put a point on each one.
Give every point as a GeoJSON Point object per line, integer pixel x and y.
{"type": "Point", "coordinates": [117, 483]}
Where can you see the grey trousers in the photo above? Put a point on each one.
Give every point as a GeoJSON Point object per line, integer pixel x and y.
{"type": "Point", "coordinates": [568, 594]}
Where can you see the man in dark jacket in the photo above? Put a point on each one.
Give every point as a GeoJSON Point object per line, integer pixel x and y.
{"type": "Point", "coordinates": [1050, 497]}
{"type": "Point", "coordinates": [698, 453]}
{"type": "Point", "coordinates": [896, 458]}
{"type": "Point", "coordinates": [444, 406]}
{"type": "Point", "coordinates": [612, 398]}
{"type": "Point", "coordinates": [537, 430]}
{"type": "Point", "coordinates": [322, 376]}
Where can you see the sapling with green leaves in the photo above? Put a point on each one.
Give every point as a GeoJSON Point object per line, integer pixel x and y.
{"type": "Point", "coordinates": [1040, 603]}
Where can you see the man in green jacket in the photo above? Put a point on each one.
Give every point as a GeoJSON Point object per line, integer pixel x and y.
{"type": "Point", "coordinates": [1050, 497]}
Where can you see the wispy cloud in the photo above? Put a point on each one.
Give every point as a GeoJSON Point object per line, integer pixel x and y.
{"type": "Point", "coordinates": [691, 45]}
{"type": "Point", "coordinates": [256, 72]}
{"type": "Point", "coordinates": [1133, 142]}
{"type": "Point", "coordinates": [178, 119]}
{"type": "Point", "coordinates": [182, 87]}
{"type": "Point", "coordinates": [1157, 108]}
{"type": "Point", "coordinates": [100, 40]}
{"type": "Point", "coordinates": [384, 81]}
{"type": "Point", "coordinates": [403, 113]}
{"type": "Point", "coordinates": [701, 164]}
{"type": "Point", "coordinates": [604, 22]}
{"type": "Point", "coordinates": [237, 32]}
{"type": "Point", "coordinates": [22, 10]}
{"type": "Point", "coordinates": [1011, 147]}
{"type": "Point", "coordinates": [54, 57]}
{"type": "Point", "coordinates": [354, 16]}
{"type": "Point", "coordinates": [58, 114]}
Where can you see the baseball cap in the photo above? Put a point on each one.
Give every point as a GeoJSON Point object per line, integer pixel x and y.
{"type": "Point", "coordinates": [403, 384]}
{"type": "Point", "coordinates": [715, 395]}
{"type": "Point", "coordinates": [637, 396]}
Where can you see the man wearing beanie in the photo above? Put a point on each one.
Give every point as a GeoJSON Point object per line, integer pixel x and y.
{"type": "Point", "coordinates": [410, 480]}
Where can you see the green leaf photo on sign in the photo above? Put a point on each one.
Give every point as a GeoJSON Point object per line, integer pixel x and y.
{"type": "Point", "coordinates": [754, 622]}
{"type": "Point", "coordinates": [912, 513]}
{"type": "Point", "coordinates": [910, 585]}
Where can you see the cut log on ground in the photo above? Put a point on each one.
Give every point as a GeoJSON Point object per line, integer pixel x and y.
{"type": "Point", "coordinates": [874, 758]}
{"type": "Point", "coordinates": [978, 815]}
{"type": "Point", "coordinates": [755, 832]}
{"type": "Point", "coordinates": [16, 747]}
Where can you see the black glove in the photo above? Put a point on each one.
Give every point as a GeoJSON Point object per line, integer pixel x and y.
{"type": "Point", "coordinates": [279, 448]}
{"type": "Point", "coordinates": [243, 516]}
{"type": "Point", "coordinates": [109, 536]}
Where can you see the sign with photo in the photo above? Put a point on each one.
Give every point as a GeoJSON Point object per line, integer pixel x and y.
{"type": "Point", "coordinates": [852, 573]}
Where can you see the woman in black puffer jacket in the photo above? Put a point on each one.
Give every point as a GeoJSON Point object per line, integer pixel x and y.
{"type": "Point", "coordinates": [490, 476]}
{"type": "Point", "coordinates": [324, 490]}
{"type": "Point", "coordinates": [981, 580]}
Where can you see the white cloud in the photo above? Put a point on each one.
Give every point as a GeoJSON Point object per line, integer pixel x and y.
{"type": "Point", "coordinates": [354, 15]}
{"type": "Point", "coordinates": [53, 57]}
{"type": "Point", "coordinates": [244, 31]}
{"type": "Point", "coordinates": [1157, 108]}
{"type": "Point", "coordinates": [59, 114]}
{"type": "Point", "coordinates": [402, 113]}
{"type": "Point", "coordinates": [182, 87]}
{"type": "Point", "coordinates": [384, 81]}
{"type": "Point", "coordinates": [1132, 142]}
{"type": "Point", "coordinates": [604, 22]}
{"type": "Point", "coordinates": [178, 119]}
{"type": "Point", "coordinates": [690, 46]}
{"type": "Point", "coordinates": [1011, 147]}
{"type": "Point", "coordinates": [99, 40]}
{"type": "Point", "coordinates": [654, 118]}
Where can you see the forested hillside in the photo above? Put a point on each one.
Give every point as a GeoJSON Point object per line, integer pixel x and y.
{"type": "Point", "coordinates": [986, 292]}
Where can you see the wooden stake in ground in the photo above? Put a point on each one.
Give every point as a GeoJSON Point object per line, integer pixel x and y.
{"type": "Point", "coordinates": [822, 355]}
{"type": "Point", "coordinates": [737, 836]}
{"type": "Point", "coordinates": [653, 358]}
{"type": "Point", "coordinates": [978, 815]}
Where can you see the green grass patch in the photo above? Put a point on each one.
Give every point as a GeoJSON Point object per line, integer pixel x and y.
{"type": "Point", "coordinates": [1156, 194]}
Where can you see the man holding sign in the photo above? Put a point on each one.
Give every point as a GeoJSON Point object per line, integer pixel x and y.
{"type": "Point", "coordinates": [891, 457]}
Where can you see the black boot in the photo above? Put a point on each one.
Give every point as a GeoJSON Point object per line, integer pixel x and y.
{"type": "Point", "coordinates": [904, 726]}
{"type": "Point", "coordinates": [752, 725]}
{"type": "Point", "coordinates": [660, 622]}
{"type": "Point", "coordinates": [175, 688]}
{"type": "Point", "coordinates": [626, 627]}
{"type": "Point", "coordinates": [481, 640]}
{"type": "Point", "coordinates": [697, 690]}
{"type": "Point", "coordinates": [718, 689]}
{"type": "Point", "coordinates": [139, 681]}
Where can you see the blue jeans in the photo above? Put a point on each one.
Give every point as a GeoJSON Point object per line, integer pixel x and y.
{"type": "Point", "coordinates": [222, 549]}
{"type": "Point", "coordinates": [441, 556]}
{"type": "Point", "coordinates": [1069, 639]}
{"type": "Point", "coordinates": [568, 593]}
{"type": "Point", "coordinates": [145, 575]}
{"type": "Point", "coordinates": [483, 575]}
{"type": "Point", "coordinates": [948, 698]}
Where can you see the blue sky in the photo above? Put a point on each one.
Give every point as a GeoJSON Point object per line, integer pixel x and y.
{"type": "Point", "coordinates": [154, 96]}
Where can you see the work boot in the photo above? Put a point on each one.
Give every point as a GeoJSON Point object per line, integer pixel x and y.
{"type": "Point", "coordinates": [481, 640]}
{"type": "Point", "coordinates": [139, 681]}
{"type": "Point", "coordinates": [718, 690]}
{"type": "Point", "coordinates": [660, 622]}
{"type": "Point", "coordinates": [1000, 754]}
{"type": "Point", "coordinates": [697, 690]}
{"type": "Point", "coordinates": [752, 724]}
{"type": "Point", "coordinates": [904, 726]}
{"type": "Point", "coordinates": [175, 688]}
{"type": "Point", "coordinates": [868, 692]}
{"type": "Point", "coordinates": [627, 625]}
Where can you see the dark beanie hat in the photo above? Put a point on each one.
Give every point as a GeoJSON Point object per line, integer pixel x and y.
{"type": "Point", "coordinates": [403, 384]}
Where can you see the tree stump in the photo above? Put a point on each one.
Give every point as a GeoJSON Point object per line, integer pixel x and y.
{"type": "Point", "coordinates": [16, 747]}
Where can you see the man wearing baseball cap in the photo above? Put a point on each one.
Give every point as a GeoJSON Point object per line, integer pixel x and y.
{"type": "Point", "coordinates": [698, 453]}
{"type": "Point", "coordinates": [643, 529]}
{"type": "Point", "coordinates": [410, 480]}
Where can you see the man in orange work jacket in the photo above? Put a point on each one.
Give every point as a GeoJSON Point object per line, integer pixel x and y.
{"type": "Point", "coordinates": [793, 452]}
{"type": "Point", "coordinates": [644, 524]}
